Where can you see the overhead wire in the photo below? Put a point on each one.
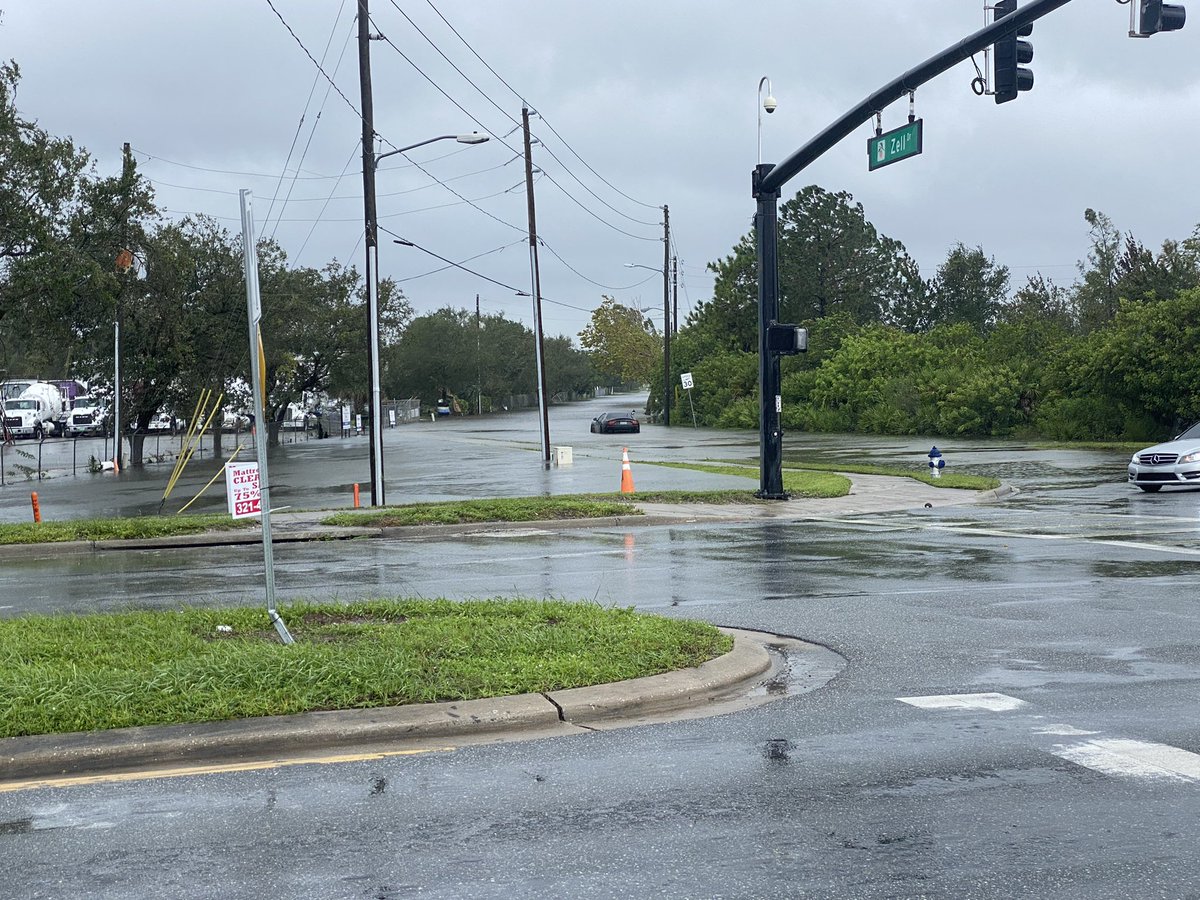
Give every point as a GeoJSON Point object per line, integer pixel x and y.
{"type": "Point", "coordinates": [520, 97]}
{"type": "Point", "coordinates": [480, 124]}
{"type": "Point", "coordinates": [407, 212]}
{"type": "Point", "coordinates": [451, 262]}
{"type": "Point", "coordinates": [610, 287]}
{"type": "Point", "coordinates": [504, 113]}
{"type": "Point", "coordinates": [455, 265]}
{"type": "Point", "coordinates": [296, 37]}
{"type": "Point", "coordinates": [317, 121]}
{"type": "Point", "coordinates": [354, 151]}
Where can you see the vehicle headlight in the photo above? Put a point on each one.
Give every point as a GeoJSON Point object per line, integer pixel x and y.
{"type": "Point", "coordinates": [1192, 457]}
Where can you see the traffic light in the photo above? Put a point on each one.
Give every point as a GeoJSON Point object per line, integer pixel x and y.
{"type": "Point", "coordinates": [1010, 54]}
{"type": "Point", "coordinates": [1158, 16]}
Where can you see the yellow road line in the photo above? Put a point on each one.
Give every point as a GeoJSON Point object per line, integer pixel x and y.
{"type": "Point", "coordinates": [209, 769]}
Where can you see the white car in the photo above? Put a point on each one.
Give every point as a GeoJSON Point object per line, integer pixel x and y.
{"type": "Point", "coordinates": [1175, 463]}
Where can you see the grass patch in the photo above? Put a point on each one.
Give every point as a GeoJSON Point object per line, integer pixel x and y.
{"type": "Point", "coordinates": [510, 509]}
{"type": "Point", "coordinates": [798, 483]}
{"type": "Point", "coordinates": [1129, 447]}
{"type": "Point", "coordinates": [63, 674]}
{"type": "Point", "coordinates": [959, 480]}
{"type": "Point", "coordinates": [117, 529]}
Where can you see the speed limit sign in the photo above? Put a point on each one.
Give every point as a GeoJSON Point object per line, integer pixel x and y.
{"type": "Point", "coordinates": [686, 378]}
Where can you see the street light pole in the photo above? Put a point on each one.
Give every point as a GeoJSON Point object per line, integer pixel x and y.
{"type": "Point", "coordinates": [370, 167]}
{"type": "Point", "coordinates": [666, 317]}
{"type": "Point", "coordinates": [769, 105]}
{"type": "Point", "coordinates": [667, 328]}
{"type": "Point", "coordinates": [372, 249]}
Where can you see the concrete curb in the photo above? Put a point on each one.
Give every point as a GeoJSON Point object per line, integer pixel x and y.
{"type": "Point", "coordinates": [285, 532]}
{"type": "Point", "coordinates": [124, 749]}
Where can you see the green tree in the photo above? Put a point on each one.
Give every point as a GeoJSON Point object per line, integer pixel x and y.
{"type": "Point", "coordinates": [569, 372]}
{"type": "Point", "coordinates": [624, 345]}
{"type": "Point", "coordinates": [968, 288]}
{"type": "Point", "coordinates": [434, 356]}
{"type": "Point", "coordinates": [1096, 294]}
{"type": "Point", "coordinates": [832, 259]}
{"type": "Point", "coordinates": [39, 178]}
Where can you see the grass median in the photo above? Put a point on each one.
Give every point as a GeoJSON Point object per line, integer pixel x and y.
{"type": "Point", "coordinates": [58, 531]}
{"type": "Point", "coordinates": [62, 674]}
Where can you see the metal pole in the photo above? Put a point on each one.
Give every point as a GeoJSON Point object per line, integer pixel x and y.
{"type": "Point", "coordinates": [537, 294]}
{"type": "Point", "coordinates": [478, 363]}
{"type": "Point", "coordinates": [254, 317]}
{"type": "Point", "coordinates": [371, 275]}
{"type": "Point", "coordinates": [768, 179]}
{"type": "Point", "coordinates": [770, 443]}
{"type": "Point", "coordinates": [117, 392]}
{"type": "Point", "coordinates": [666, 316]}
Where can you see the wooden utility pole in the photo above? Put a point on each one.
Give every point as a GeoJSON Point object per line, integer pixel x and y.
{"type": "Point", "coordinates": [371, 271]}
{"type": "Point", "coordinates": [543, 400]}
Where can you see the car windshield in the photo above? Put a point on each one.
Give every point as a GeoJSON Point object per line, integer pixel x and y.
{"type": "Point", "coordinates": [1190, 434]}
{"type": "Point", "coordinates": [20, 404]}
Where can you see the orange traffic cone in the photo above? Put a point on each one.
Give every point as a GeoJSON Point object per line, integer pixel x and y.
{"type": "Point", "coordinates": [626, 473]}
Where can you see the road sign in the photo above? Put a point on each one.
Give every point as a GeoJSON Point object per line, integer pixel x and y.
{"type": "Point", "coordinates": [895, 145]}
{"type": "Point", "coordinates": [242, 490]}
{"type": "Point", "coordinates": [686, 378]}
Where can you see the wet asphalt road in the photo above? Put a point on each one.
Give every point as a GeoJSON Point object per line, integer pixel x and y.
{"type": "Point", "coordinates": [1070, 608]}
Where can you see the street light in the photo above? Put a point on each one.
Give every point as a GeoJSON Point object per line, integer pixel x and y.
{"type": "Point", "coordinates": [769, 105]}
{"type": "Point", "coordinates": [666, 336]}
{"type": "Point", "coordinates": [372, 279]}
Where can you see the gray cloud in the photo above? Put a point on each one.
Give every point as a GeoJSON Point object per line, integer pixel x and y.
{"type": "Point", "coordinates": [660, 99]}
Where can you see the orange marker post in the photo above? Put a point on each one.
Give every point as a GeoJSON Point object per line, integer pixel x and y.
{"type": "Point", "coordinates": [37, 509]}
{"type": "Point", "coordinates": [356, 503]}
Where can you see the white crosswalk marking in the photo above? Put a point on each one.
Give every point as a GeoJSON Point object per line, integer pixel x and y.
{"type": "Point", "coordinates": [990, 702]}
{"type": "Point", "coordinates": [1138, 759]}
{"type": "Point", "coordinates": [1119, 757]}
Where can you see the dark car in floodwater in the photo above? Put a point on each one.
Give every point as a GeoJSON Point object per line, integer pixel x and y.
{"type": "Point", "coordinates": [616, 423]}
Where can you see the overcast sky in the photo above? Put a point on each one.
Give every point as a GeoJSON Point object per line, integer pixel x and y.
{"type": "Point", "coordinates": [640, 104]}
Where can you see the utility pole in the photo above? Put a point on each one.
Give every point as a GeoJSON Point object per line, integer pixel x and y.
{"type": "Point", "coordinates": [372, 253]}
{"type": "Point", "coordinates": [666, 316]}
{"type": "Point", "coordinates": [126, 184]}
{"type": "Point", "coordinates": [537, 293]}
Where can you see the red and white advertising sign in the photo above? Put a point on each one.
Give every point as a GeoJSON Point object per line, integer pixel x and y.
{"type": "Point", "coordinates": [242, 490]}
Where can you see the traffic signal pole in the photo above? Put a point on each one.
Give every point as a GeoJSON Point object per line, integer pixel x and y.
{"type": "Point", "coordinates": [769, 179]}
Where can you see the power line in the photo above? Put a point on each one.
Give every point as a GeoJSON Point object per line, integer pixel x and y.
{"type": "Point", "coordinates": [454, 265]}
{"type": "Point", "coordinates": [314, 62]}
{"type": "Point", "coordinates": [317, 121]}
{"type": "Point", "coordinates": [518, 95]}
{"type": "Point", "coordinates": [451, 262]}
{"type": "Point", "coordinates": [501, 109]}
{"type": "Point", "coordinates": [311, 231]}
{"type": "Point", "coordinates": [181, 165]}
{"type": "Point", "coordinates": [610, 287]}
{"type": "Point", "coordinates": [479, 123]}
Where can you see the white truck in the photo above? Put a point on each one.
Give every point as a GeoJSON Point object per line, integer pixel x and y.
{"type": "Point", "coordinates": [35, 412]}
{"type": "Point", "coordinates": [87, 416]}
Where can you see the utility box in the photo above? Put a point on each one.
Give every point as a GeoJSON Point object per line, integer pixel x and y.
{"type": "Point", "coordinates": [562, 456]}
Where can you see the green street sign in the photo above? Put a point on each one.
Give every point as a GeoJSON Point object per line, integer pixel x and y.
{"type": "Point", "coordinates": [895, 145]}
